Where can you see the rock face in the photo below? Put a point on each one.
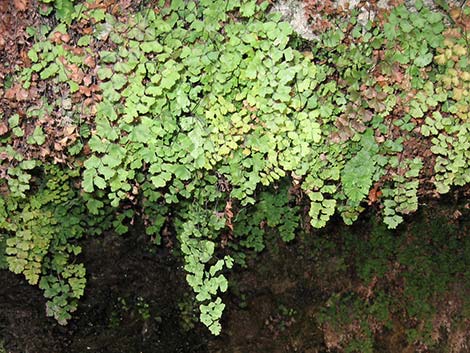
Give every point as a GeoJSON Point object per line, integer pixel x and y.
{"type": "Point", "coordinates": [293, 11]}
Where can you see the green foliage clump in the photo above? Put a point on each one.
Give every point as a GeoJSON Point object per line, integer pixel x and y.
{"type": "Point", "coordinates": [3, 260]}
{"type": "Point", "coordinates": [409, 279]}
{"type": "Point", "coordinates": [449, 129]}
{"type": "Point", "coordinates": [272, 213]}
{"type": "Point", "coordinates": [402, 198]}
{"type": "Point", "coordinates": [63, 10]}
{"type": "Point", "coordinates": [39, 234]}
{"type": "Point", "coordinates": [196, 111]}
{"type": "Point", "coordinates": [196, 236]}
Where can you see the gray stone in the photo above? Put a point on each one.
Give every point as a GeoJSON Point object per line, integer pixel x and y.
{"type": "Point", "coordinates": [293, 11]}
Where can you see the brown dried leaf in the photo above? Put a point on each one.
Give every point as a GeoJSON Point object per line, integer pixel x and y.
{"type": "Point", "coordinates": [69, 130]}
{"type": "Point", "coordinates": [374, 195]}
{"type": "Point", "coordinates": [382, 80]}
{"type": "Point", "coordinates": [76, 73]}
{"type": "Point", "coordinates": [456, 215]}
{"type": "Point", "coordinates": [56, 37]}
{"type": "Point", "coordinates": [87, 80]}
{"type": "Point", "coordinates": [16, 92]}
{"type": "Point", "coordinates": [87, 30]}
{"type": "Point", "coordinates": [61, 144]}
{"type": "Point", "coordinates": [22, 95]}
{"type": "Point", "coordinates": [85, 91]}
{"type": "Point", "coordinates": [65, 38]}
{"type": "Point", "coordinates": [370, 93]}
{"type": "Point", "coordinates": [358, 126]}
{"type": "Point", "coordinates": [342, 121]}
{"type": "Point", "coordinates": [367, 116]}
{"type": "Point", "coordinates": [3, 128]}
{"type": "Point", "coordinates": [77, 51]}
{"type": "Point", "coordinates": [21, 5]}
{"type": "Point", "coordinates": [228, 215]}
{"type": "Point", "coordinates": [58, 146]}
{"type": "Point", "coordinates": [10, 93]}
{"type": "Point", "coordinates": [335, 138]}
{"type": "Point", "coordinates": [89, 61]}
{"type": "Point", "coordinates": [86, 150]}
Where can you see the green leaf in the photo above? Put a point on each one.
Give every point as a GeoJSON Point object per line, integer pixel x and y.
{"type": "Point", "coordinates": [49, 71]}
{"type": "Point", "coordinates": [106, 110]}
{"type": "Point", "coordinates": [104, 73]}
{"type": "Point", "coordinates": [74, 87]}
{"type": "Point", "coordinates": [33, 55]}
{"type": "Point", "coordinates": [97, 145]}
{"type": "Point", "coordinates": [289, 54]}
{"type": "Point", "coordinates": [181, 172]}
{"type": "Point", "coordinates": [424, 60]}
{"type": "Point", "coordinates": [38, 137]}
{"type": "Point", "coordinates": [13, 121]}
{"type": "Point", "coordinates": [390, 31]}
{"type": "Point", "coordinates": [151, 47]}
{"type": "Point", "coordinates": [169, 78]}
{"type": "Point", "coordinates": [28, 164]}
{"type": "Point", "coordinates": [104, 128]}
{"type": "Point", "coordinates": [98, 15]}
{"type": "Point", "coordinates": [64, 10]}
{"type": "Point", "coordinates": [248, 8]}
{"type": "Point", "coordinates": [216, 267]}
{"type": "Point", "coordinates": [108, 56]}
{"type": "Point", "coordinates": [119, 81]}
{"type": "Point", "coordinates": [393, 221]}
{"type": "Point", "coordinates": [406, 26]}
{"type": "Point", "coordinates": [84, 41]}
{"type": "Point", "coordinates": [87, 181]}
{"type": "Point", "coordinates": [434, 17]}
{"type": "Point", "coordinates": [112, 160]}
{"type": "Point", "coordinates": [357, 176]}
{"type": "Point", "coordinates": [99, 182]}
{"type": "Point", "coordinates": [161, 179]}
{"type": "Point", "coordinates": [123, 67]}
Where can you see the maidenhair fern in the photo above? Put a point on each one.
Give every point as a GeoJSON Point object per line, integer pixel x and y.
{"type": "Point", "coordinates": [195, 112]}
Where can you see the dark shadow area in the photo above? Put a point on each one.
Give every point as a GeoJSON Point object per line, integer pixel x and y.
{"type": "Point", "coordinates": [130, 305]}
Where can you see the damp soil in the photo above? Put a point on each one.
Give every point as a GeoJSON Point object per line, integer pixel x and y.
{"type": "Point", "coordinates": [130, 305]}
{"type": "Point", "coordinates": [134, 302]}
{"type": "Point", "coordinates": [137, 301]}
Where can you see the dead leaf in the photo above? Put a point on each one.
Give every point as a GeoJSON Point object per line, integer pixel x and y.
{"type": "Point", "coordinates": [56, 37]}
{"type": "Point", "coordinates": [367, 116]}
{"type": "Point", "coordinates": [335, 138]}
{"type": "Point", "coordinates": [88, 102]}
{"type": "Point", "coordinates": [457, 214]}
{"type": "Point", "coordinates": [76, 73]}
{"type": "Point", "coordinates": [382, 80]}
{"type": "Point", "coordinates": [85, 91]}
{"type": "Point", "coordinates": [228, 215]}
{"type": "Point", "coordinates": [87, 80]}
{"type": "Point", "coordinates": [455, 13]}
{"type": "Point", "coordinates": [21, 5]}
{"type": "Point", "coordinates": [3, 128]}
{"type": "Point", "coordinates": [89, 61]}
{"type": "Point", "coordinates": [65, 38]}
{"type": "Point", "coordinates": [10, 93]}
{"type": "Point", "coordinates": [374, 194]}
{"type": "Point", "coordinates": [87, 30]}
{"type": "Point", "coordinates": [69, 130]}
{"type": "Point", "coordinates": [58, 146]}
{"type": "Point", "coordinates": [397, 75]}
{"type": "Point", "coordinates": [16, 92]}
{"type": "Point", "coordinates": [358, 126]}
{"type": "Point", "coordinates": [86, 150]}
